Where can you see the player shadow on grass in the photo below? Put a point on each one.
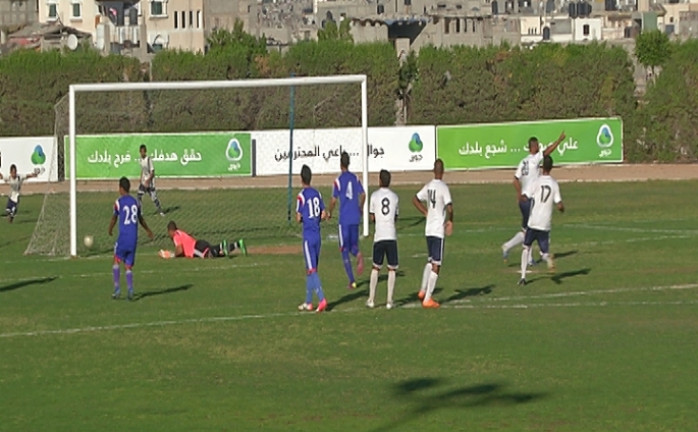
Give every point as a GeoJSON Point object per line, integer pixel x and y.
{"type": "Point", "coordinates": [409, 222]}
{"type": "Point", "coordinates": [557, 278]}
{"type": "Point", "coordinates": [168, 210]}
{"type": "Point", "coordinates": [425, 395]}
{"type": "Point", "coordinates": [358, 293]}
{"type": "Point", "coordinates": [557, 256]}
{"type": "Point", "coordinates": [22, 284]}
{"type": "Point", "coordinates": [142, 295]}
{"type": "Point", "coordinates": [470, 292]}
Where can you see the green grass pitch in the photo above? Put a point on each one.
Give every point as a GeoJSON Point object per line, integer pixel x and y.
{"type": "Point", "coordinates": [608, 343]}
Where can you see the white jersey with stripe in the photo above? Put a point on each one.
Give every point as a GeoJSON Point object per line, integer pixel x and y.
{"type": "Point", "coordinates": [146, 168]}
{"type": "Point", "coordinates": [544, 194]}
{"type": "Point", "coordinates": [15, 186]}
{"type": "Point", "coordinates": [437, 197]}
{"type": "Point", "coordinates": [384, 205]}
{"type": "Point", "coordinates": [528, 169]}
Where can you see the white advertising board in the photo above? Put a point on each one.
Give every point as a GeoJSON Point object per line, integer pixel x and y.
{"type": "Point", "coordinates": [406, 148]}
{"type": "Point", "coordinates": [29, 153]}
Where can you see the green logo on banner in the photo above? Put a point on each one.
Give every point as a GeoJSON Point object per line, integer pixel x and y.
{"type": "Point", "coordinates": [234, 152]}
{"type": "Point", "coordinates": [416, 144]}
{"type": "Point", "coordinates": [38, 157]}
{"type": "Point", "coordinates": [605, 137]}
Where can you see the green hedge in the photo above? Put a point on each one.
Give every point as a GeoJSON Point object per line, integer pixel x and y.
{"type": "Point", "coordinates": [442, 86]}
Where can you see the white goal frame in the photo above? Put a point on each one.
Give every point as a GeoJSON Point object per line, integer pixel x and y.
{"type": "Point", "coordinates": [74, 89]}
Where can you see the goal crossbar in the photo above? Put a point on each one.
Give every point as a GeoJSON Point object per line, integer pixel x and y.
{"type": "Point", "coordinates": [202, 85]}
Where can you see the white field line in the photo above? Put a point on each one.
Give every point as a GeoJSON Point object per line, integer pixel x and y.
{"type": "Point", "coordinates": [595, 292]}
{"type": "Point", "coordinates": [633, 229]}
{"type": "Point", "coordinates": [519, 304]}
{"type": "Point", "coordinates": [107, 273]}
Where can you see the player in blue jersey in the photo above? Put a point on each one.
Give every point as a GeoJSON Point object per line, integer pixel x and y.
{"type": "Point", "coordinates": [310, 211]}
{"type": "Point", "coordinates": [347, 188]}
{"type": "Point", "coordinates": [127, 210]}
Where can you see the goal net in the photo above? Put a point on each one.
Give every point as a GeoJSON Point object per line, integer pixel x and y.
{"type": "Point", "coordinates": [226, 155]}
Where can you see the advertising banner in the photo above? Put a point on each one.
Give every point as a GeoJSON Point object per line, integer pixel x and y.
{"type": "Point", "coordinates": [30, 154]}
{"type": "Point", "coordinates": [391, 148]}
{"type": "Point", "coordinates": [592, 140]}
{"type": "Point", "coordinates": [174, 155]}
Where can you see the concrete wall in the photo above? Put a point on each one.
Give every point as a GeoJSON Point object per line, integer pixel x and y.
{"type": "Point", "coordinates": [181, 26]}
{"type": "Point", "coordinates": [14, 13]}
{"type": "Point", "coordinates": [369, 31]}
{"type": "Point", "coordinates": [587, 29]}
{"type": "Point", "coordinates": [87, 20]}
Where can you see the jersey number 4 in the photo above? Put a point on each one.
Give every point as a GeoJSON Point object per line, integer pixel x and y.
{"type": "Point", "coordinates": [350, 191]}
{"type": "Point", "coordinates": [431, 193]}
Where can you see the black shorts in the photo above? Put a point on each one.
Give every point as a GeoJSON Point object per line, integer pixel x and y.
{"type": "Point", "coordinates": [385, 248]}
{"type": "Point", "coordinates": [542, 237]}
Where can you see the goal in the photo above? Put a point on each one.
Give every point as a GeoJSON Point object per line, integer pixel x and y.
{"type": "Point", "coordinates": [226, 154]}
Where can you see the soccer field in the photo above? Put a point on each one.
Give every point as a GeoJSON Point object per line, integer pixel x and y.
{"type": "Point", "coordinates": [607, 343]}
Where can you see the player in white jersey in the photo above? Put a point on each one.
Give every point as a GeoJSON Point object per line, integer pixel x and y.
{"type": "Point", "coordinates": [384, 210]}
{"type": "Point", "coordinates": [527, 172]}
{"type": "Point", "coordinates": [15, 181]}
{"type": "Point", "coordinates": [544, 196]}
{"type": "Point", "coordinates": [147, 184]}
{"type": "Point", "coordinates": [439, 213]}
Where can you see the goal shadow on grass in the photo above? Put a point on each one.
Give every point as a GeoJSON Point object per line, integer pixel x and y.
{"type": "Point", "coordinates": [22, 284]}
{"type": "Point", "coordinates": [145, 294]}
{"type": "Point", "coordinates": [425, 395]}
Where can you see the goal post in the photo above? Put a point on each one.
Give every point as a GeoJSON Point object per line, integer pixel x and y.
{"type": "Point", "coordinates": [291, 83]}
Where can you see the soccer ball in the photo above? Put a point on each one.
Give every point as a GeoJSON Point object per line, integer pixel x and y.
{"type": "Point", "coordinates": [89, 241]}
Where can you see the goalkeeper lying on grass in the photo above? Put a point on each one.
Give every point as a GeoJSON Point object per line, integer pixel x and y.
{"type": "Point", "coordinates": [189, 247]}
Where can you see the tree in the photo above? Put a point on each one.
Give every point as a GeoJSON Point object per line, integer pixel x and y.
{"type": "Point", "coordinates": [221, 39]}
{"type": "Point", "coordinates": [652, 49]}
{"type": "Point", "coordinates": [332, 32]}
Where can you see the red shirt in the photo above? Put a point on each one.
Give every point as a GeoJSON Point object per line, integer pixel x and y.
{"type": "Point", "coordinates": [186, 241]}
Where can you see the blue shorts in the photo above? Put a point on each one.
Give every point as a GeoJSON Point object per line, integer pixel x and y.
{"type": "Point", "coordinates": [11, 207]}
{"type": "Point", "coordinates": [542, 237]}
{"type": "Point", "coordinates": [525, 207]}
{"type": "Point", "coordinates": [435, 247]}
{"type": "Point", "coordinates": [125, 254]}
{"type": "Point", "coordinates": [388, 249]}
{"type": "Point", "coordinates": [349, 238]}
{"type": "Point", "coordinates": [311, 253]}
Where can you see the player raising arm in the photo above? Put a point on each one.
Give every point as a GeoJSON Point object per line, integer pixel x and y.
{"type": "Point", "coordinates": [384, 209]}
{"type": "Point", "coordinates": [526, 173]}
{"type": "Point", "coordinates": [15, 181]}
{"type": "Point", "coordinates": [439, 213]}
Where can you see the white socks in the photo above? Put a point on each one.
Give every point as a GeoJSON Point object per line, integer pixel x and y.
{"type": "Point", "coordinates": [374, 282]}
{"type": "Point", "coordinates": [525, 256]}
{"type": "Point", "coordinates": [431, 285]}
{"type": "Point", "coordinates": [425, 277]}
{"type": "Point", "coordinates": [514, 241]}
{"type": "Point", "coordinates": [391, 286]}
{"type": "Point", "coordinates": [372, 286]}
